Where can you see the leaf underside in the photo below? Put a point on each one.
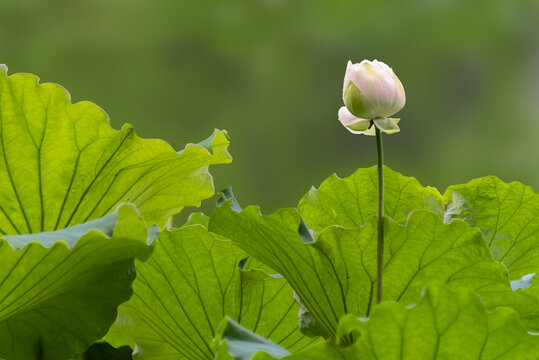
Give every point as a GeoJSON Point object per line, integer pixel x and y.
{"type": "Point", "coordinates": [336, 274]}
{"type": "Point", "coordinates": [184, 290]}
{"type": "Point", "coordinates": [445, 324]}
{"type": "Point", "coordinates": [54, 302]}
{"type": "Point", "coordinates": [508, 216]}
{"type": "Point", "coordinates": [68, 242]}
{"type": "Point", "coordinates": [350, 201]}
{"type": "Point", "coordinates": [61, 164]}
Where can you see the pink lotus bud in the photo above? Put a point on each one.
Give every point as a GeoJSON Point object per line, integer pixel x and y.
{"type": "Point", "coordinates": [371, 90]}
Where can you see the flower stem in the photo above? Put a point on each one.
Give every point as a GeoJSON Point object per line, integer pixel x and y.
{"type": "Point", "coordinates": [380, 252]}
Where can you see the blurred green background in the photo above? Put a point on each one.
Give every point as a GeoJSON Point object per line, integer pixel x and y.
{"type": "Point", "coordinates": [271, 72]}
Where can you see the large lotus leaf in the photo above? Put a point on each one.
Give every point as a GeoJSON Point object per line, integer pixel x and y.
{"type": "Point", "coordinates": [336, 274]}
{"type": "Point", "coordinates": [183, 291]}
{"type": "Point", "coordinates": [63, 172]}
{"type": "Point", "coordinates": [61, 164]}
{"type": "Point", "coordinates": [445, 324]}
{"type": "Point", "coordinates": [350, 201]}
{"type": "Point", "coordinates": [57, 297]}
{"type": "Point", "coordinates": [508, 216]}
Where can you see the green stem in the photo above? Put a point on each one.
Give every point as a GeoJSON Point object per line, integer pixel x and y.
{"type": "Point", "coordinates": [380, 252]}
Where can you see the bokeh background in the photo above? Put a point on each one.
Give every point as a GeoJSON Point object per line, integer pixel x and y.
{"type": "Point", "coordinates": [271, 72]}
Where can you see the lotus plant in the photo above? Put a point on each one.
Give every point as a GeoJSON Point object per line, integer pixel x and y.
{"type": "Point", "coordinates": [371, 94]}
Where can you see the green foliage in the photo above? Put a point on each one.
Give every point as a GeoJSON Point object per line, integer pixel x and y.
{"type": "Point", "coordinates": [350, 201]}
{"type": "Point", "coordinates": [190, 283]}
{"type": "Point", "coordinates": [526, 302]}
{"type": "Point", "coordinates": [68, 239]}
{"type": "Point", "coordinates": [508, 216]}
{"type": "Point", "coordinates": [56, 300]}
{"type": "Point", "coordinates": [102, 351]}
{"type": "Point", "coordinates": [444, 324]}
{"type": "Point", "coordinates": [62, 164]}
{"type": "Point", "coordinates": [336, 274]}
{"type": "Point", "coordinates": [83, 208]}
{"type": "Point", "coordinates": [506, 210]}
{"type": "Point", "coordinates": [233, 341]}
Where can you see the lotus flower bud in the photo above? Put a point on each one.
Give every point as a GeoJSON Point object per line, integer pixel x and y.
{"type": "Point", "coordinates": [371, 90]}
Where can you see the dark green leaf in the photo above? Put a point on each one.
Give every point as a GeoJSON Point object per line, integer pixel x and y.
{"type": "Point", "coordinates": [103, 351]}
